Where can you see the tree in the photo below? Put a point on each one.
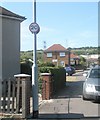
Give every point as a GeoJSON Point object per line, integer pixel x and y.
{"type": "Point", "coordinates": [82, 61]}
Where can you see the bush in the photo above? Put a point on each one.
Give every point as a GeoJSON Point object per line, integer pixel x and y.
{"type": "Point", "coordinates": [26, 68]}
{"type": "Point", "coordinates": [46, 64]}
{"type": "Point", "coordinates": [59, 76]}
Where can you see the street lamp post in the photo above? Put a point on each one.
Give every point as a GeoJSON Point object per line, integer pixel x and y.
{"type": "Point", "coordinates": [34, 28]}
{"type": "Point", "coordinates": [69, 57]}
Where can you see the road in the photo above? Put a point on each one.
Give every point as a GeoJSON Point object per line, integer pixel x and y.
{"type": "Point", "coordinates": [68, 102]}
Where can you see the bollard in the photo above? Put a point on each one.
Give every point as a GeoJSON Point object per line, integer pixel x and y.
{"type": "Point", "coordinates": [26, 85]}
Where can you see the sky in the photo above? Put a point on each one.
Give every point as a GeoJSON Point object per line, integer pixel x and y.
{"type": "Point", "coordinates": [71, 24]}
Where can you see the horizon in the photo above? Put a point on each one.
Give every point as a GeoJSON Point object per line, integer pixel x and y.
{"type": "Point", "coordinates": [66, 48]}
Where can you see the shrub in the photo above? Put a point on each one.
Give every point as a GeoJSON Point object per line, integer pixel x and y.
{"type": "Point", "coordinates": [59, 76]}
{"type": "Point", "coordinates": [26, 68]}
{"type": "Point", "coordinates": [46, 64]}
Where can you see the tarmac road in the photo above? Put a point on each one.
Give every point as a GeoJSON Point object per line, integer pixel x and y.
{"type": "Point", "coordinates": [68, 103]}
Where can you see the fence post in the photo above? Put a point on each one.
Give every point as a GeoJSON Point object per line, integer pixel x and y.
{"type": "Point", "coordinates": [26, 90]}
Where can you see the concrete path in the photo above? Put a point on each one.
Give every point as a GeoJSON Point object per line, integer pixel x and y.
{"type": "Point", "coordinates": [69, 108]}
{"type": "Point", "coordinates": [68, 103]}
{"type": "Point", "coordinates": [57, 108]}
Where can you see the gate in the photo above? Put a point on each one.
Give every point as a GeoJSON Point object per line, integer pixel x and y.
{"type": "Point", "coordinates": [9, 97]}
{"type": "Point", "coordinates": [15, 96]}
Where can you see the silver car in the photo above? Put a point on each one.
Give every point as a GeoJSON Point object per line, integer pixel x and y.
{"type": "Point", "coordinates": [91, 86]}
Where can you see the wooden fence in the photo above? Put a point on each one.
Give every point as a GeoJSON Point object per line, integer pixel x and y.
{"type": "Point", "coordinates": [15, 95]}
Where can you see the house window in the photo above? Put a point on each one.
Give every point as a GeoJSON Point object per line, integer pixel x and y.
{"type": "Point", "coordinates": [62, 63]}
{"type": "Point", "coordinates": [72, 59]}
{"type": "Point", "coordinates": [62, 54]}
{"type": "Point", "coordinates": [49, 54]}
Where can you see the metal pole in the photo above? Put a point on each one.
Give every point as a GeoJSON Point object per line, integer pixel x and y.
{"type": "Point", "coordinates": [34, 13]}
{"type": "Point", "coordinates": [69, 57]}
{"type": "Point", "coordinates": [35, 71]}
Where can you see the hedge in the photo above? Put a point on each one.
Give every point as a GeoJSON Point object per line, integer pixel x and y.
{"type": "Point", "coordinates": [26, 68]}
{"type": "Point", "coordinates": [59, 76]}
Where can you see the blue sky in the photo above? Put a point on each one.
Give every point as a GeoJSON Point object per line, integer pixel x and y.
{"type": "Point", "coordinates": [71, 24]}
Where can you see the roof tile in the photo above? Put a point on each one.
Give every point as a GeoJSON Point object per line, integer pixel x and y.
{"type": "Point", "coordinates": [56, 47]}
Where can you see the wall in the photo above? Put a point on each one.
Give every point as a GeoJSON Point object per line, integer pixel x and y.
{"type": "Point", "coordinates": [0, 48]}
{"type": "Point", "coordinates": [0, 56]}
{"type": "Point", "coordinates": [10, 47]}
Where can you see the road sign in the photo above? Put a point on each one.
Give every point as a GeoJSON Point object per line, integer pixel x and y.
{"type": "Point", "coordinates": [34, 28]}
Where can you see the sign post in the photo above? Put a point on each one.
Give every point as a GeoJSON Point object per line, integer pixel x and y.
{"type": "Point", "coordinates": [34, 28]}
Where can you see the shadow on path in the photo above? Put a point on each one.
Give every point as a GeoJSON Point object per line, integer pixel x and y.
{"type": "Point", "coordinates": [72, 90]}
{"type": "Point", "coordinates": [61, 102]}
{"type": "Point", "coordinates": [62, 116]}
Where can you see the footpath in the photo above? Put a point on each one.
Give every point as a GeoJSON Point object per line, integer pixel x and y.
{"type": "Point", "coordinates": [57, 108]}
{"type": "Point", "coordinates": [65, 108]}
{"type": "Point", "coordinates": [60, 106]}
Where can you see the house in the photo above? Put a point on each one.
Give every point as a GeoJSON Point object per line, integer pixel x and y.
{"type": "Point", "coordinates": [9, 43]}
{"type": "Point", "coordinates": [74, 59]}
{"type": "Point", "coordinates": [56, 54]}
{"type": "Point", "coordinates": [92, 59]}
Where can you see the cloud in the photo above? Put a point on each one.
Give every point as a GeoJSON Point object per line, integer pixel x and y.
{"type": "Point", "coordinates": [88, 34]}
{"type": "Point", "coordinates": [51, 36]}
{"type": "Point", "coordinates": [16, 0]}
{"type": "Point", "coordinates": [83, 38]}
{"type": "Point", "coordinates": [25, 30]}
{"type": "Point", "coordinates": [26, 37]}
{"type": "Point", "coordinates": [50, 0]}
{"type": "Point", "coordinates": [47, 29]}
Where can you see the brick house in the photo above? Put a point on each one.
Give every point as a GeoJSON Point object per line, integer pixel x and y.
{"type": "Point", "coordinates": [74, 59]}
{"type": "Point", "coordinates": [56, 54]}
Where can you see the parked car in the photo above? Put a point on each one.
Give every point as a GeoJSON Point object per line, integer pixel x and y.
{"type": "Point", "coordinates": [70, 70]}
{"type": "Point", "coordinates": [91, 86]}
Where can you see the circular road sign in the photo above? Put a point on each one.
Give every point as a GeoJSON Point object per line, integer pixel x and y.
{"type": "Point", "coordinates": [34, 28]}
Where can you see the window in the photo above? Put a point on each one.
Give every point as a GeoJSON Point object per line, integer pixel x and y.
{"type": "Point", "coordinates": [62, 54]}
{"type": "Point", "coordinates": [62, 63]}
{"type": "Point", "coordinates": [49, 54]}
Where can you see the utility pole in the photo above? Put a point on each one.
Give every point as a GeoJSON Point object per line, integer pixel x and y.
{"type": "Point", "coordinates": [44, 47]}
{"type": "Point", "coordinates": [34, 28]}
{"type": "Point", "coordinates": [69, 52]}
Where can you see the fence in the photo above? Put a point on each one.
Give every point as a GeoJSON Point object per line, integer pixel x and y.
{"type": "Point", "coordinates": [15, 95]}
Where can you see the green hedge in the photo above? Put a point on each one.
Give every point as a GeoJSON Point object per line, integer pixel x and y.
{"type": "Point", "coordinates": [26, 68]}
{"type": "Point", "coordinates": [46, 64]}
{"type": "Point", "coordinates": [58, 74]}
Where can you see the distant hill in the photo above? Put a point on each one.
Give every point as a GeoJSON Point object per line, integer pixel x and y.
{"type": "Point", "coordinates": [86, 50]}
